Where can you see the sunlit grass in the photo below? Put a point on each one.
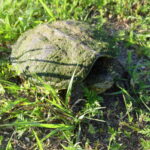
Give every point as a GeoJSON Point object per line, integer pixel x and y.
{"type": "Point", "coordinates": [32, 108]}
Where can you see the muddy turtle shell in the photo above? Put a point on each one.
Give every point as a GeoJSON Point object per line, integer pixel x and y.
{"type": "Point", "coordinates": [54, 50]}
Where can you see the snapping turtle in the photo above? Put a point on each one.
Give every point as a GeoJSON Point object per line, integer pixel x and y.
{"type": "Point", "coordinates": [53, 51]}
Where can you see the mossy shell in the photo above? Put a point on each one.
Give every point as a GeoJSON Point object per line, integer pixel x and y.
{"type": "Point", "coordinates": [53, 51]}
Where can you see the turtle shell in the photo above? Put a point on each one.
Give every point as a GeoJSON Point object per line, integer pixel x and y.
{"type": "Point", "coordinates": [54, 50]}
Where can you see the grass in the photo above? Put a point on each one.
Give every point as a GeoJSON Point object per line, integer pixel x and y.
{"type": "Point", "coordinates": [34, 116]}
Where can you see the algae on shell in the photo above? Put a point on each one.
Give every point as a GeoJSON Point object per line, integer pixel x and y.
{"type": "Point", "coordinates": [53, 51]}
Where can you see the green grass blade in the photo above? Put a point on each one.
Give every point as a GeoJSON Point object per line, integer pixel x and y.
{"type": "Point", "coordinates": [36, 124]}
{"type": "Point", "coordinates": [68, 94]}
{"type": "Point", "coordinates": [47, 9]}
{"type": "Point", "coordinates": [51, 134]}
{"type": "Point", "coordinates": [38, 141]}
{"type": "Point", "coordinates": [148, 108]}
{"type": "Point", "coordinates": [61, 108]}
{"type": "Point", "coordinates": [9, 146]}
{"type": "Point", "coordinates": [10, 105]}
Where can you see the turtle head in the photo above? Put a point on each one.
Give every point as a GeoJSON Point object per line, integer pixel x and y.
{"type": "Point", "coordinates": [99, 83]}
{"type": "Point", "coordinates": [103, 74]}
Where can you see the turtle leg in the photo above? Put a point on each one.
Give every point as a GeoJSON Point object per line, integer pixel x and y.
{"type": "Point", "coordinates": [77, 100]}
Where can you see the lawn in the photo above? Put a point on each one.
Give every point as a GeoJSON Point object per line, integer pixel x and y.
{"type": "Point", "coordinates": [35, 116]}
